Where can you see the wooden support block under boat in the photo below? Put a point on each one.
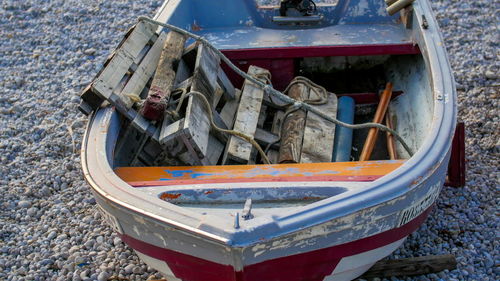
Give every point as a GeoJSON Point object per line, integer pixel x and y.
{"type": "Point", "coordinates": [237, 149]}
{"type": "Point", "coordinates": [411, 266]}
{"type": "Point", "coordinates": [163, 80]}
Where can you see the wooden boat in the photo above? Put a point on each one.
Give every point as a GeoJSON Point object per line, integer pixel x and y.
{"type": "Point", "coordinates": [305, 221]}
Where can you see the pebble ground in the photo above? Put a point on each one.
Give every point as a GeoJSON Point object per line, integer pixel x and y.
{"type": "Point", "coordinates": [49, 226]}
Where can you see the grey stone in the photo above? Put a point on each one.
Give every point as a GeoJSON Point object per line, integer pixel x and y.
{"type": "Point", "coordinates": [90, 51]}
{"type": "Point", "coordinates": [490, 74]}
{"type": "Point", "coordinates": [24, 204]}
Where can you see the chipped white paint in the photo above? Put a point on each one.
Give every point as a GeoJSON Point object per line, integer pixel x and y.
{"type": "Point", "coordinates": [165, 243]}
{"type": "Point", "coordinates": [361, 9]}
{"type": "Point", "coordinates": [110, 219]}
{"type": "Point", "coordinates": [353, 266]}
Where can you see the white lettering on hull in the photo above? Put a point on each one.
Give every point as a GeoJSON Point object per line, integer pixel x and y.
{"type": "Point", "coordinates": [421, 205]}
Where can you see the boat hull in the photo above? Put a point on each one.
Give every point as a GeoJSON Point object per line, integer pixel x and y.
{"type": "Point", "coordinates": [344, 260]}
{"type": "Point", "coordinates": [338, 249]}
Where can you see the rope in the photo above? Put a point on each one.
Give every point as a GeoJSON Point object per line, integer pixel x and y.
{"type": "Point", "coordinates": [320, 90]}
{"type": "Point", "coordinates": [268, 89]}
{"type": "Point", "coordinates": [231, 132]}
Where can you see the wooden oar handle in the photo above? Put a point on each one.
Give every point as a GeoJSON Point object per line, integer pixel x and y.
{"type": "Point", "coordinates": [385, 98]}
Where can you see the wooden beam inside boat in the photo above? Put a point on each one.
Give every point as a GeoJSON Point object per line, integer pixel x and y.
{"type": "Point", "coordinates": [339, 171]}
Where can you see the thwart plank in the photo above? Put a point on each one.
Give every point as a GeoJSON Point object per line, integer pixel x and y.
{"type": "Point", "coordinates": [341, 171]}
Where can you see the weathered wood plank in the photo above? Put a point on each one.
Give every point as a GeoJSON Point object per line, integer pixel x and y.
{"type": "Point", "coordinates": [143, 72]}
{"type": "Point", "coordinates": [411, 266]}
{"type": "Point", "coordinates": [197, 124]}
{"type": "Point", "coordinates": [163, 80]}
{"type": "Point", "coordinates": [183, 72]}
{"type": "Point", "coordinates": [170, 131]}
{"type": "Point", "coordinates": [109, 78]}
{"type": "Point", "coordinates": [227, 86]}
{"type": "Point", "coordinates": [237, 149]}
{"type": "Point", "coordinates": [317, 145]}
{"type": "Point", "coordinates": [229, 109]}
{"type": "Point", "coordinates": [208, 63]}
{"type": "Point", "coordinates": [264, 137]}
{"type": "Point", "coordinates": [292, 130]}
{"type": "Point", "coordinates": [262, 116]}
{"type": "Point", "coordinates": [125, 55]}
{"type": "Point", "coordinates": [277, 122]}
{"type": "Point", "coordinates": [215, 149]}
{"type": "Point", "coordinates": [273, 156]}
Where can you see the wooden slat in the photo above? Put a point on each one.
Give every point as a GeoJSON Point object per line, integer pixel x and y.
{"type": "Point", "coordinates": [273, 156]}
{"type": "Point", "coordinates": [205, 72]}
{"type": "Point", "coordinates": [183, 73]}
{"type": "Point", "coordinates": [262, 116]}
{"type": "Point", "coordinates": [170, 131]}
{"type": "Point", "coordinates": [223, 80]}
{"type": "Point", "coordinates": [197, 124]}
{"type": "Point", "coordinates": [126, 54]}
{"type": "Point", "coordinates": [144, 72]}
{"type": "Point", "coordinates": [411, 266]}
{"type": "Point", "coordinates": [229, 109]}
{"type": "Point", "coordinates": [215, 149]}
{"type": "Point", "coordinates": [237, 149]}
{"type": "Point", "coordinates": [277, 122]}
{"type": "Point", "coordinates": [264, 137]}
{"type": "Point", "coordinates": [317, 145]}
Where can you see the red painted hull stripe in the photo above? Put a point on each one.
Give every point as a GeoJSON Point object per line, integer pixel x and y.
{"type": "Point", "coordinates": [314, 265]}
{"type": "Point", "coordinates": [322, 51]}
{"type": "Point", "coordinates": [256, 179]}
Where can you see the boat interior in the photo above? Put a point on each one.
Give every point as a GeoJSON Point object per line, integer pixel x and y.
{"type": "Point", "coordinates": [352, 50]}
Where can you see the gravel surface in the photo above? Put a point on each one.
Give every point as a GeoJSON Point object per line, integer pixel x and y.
{"type": "Point", "coordinates": [49, 226]}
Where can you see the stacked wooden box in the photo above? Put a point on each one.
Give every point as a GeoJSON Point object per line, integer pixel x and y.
{"type": "Point", "coordinates": [134, 71]}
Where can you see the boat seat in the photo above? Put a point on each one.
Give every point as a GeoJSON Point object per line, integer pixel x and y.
{"type": "Point", "coordinates": [340, 172]}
